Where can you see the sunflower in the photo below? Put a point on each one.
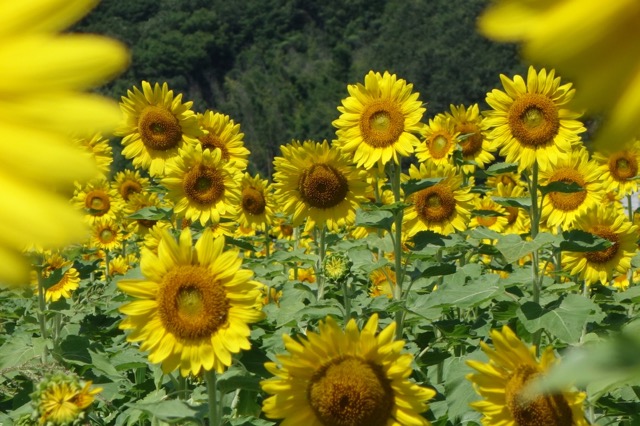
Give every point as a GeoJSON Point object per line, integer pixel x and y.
{"type": "Point", "coordinates": [257, 205]}
{"type": "Point", "coordinates": [383, 282]}
{"type": "Point", "coordinates": [128, 182]}
{"type": "Point", "coordinates": [154, 236]}
{"type": "Point", "coordinates": [193, 308]}
{"type": "Point", "coordinates": [43, 103]}
{"type": "Point", "coordinates": [68, 281]}
{"type": "Point", "coordinates": [439, 141]}
{"type": "Point", "coordinates": [202, 186]}
{"type": "Point", "coordinates": [106, 234]}
{"type": "Point", "coordinates": [136, 202]}
{"type": "Point", "coordinates": [378, 120]}
{"type": "Point", "coordinates": [100, 152]}
{"type": "Point", "coordinates": [593, 43]}
{"type": "Point", "coordinates": [224, 134]}
{"type": "Point", "coordinates": [305, 275]}
{"type": "Point", "coordinates": [506, 179]}
{"type": "Point", "coordinates": [97, 199]}
{"type": "Point", "coordinates": [317, 182]}
{"type": "Point", "coordinates": [156, 124]}
{"type": "Point", "coordinates": [489, 214]}
{"type": "Point", "coordinates": [349, 377]}
{"type": "Point", "coordinates": [600, 265]}
{"type": "Point", "coordinates": [62, 399]}
{"type": "Point", "coordinates": [619, 168]}
{"type": "Point", "coordinates": [518, 221]}
{"type": "Point", "coordinates": [502, 383]}
{"type": "Point", "coordinates": [444, 207]}
{"type": "Point", "coordinates": [562, 208]}
{"type": "Point", "coordinates": [528, 122]}
{"type": "Point", "coordinates": [475, 147]}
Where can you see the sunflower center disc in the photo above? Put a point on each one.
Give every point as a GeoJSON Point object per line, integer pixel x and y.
{"type": "Point", "coordinates": [107, 236]}
{"type": "Point", "coordinates": [603, 256]}
{"type": "Point", "coordinates": [253, 201]}
{"type": "Point", "coordinates": [159, 128]}
{"type": "Point", "coordinates": [567, 201]}
{"type": "Point", "coordinates": [203, 185]}
{"type": "Point", "coordinates": [512, 215]}
{"type": "Point", "coordinates": [381, 123]}
{"type": "Point", "coordinates": [473, 143]}
{"type": "Point", "coordinates": [533, 120]}
{"type": "Point", "coordinates": [212, 141]}
{"type": "Point", "coordinates": [322, 186]}
{"type": "Point", "coordinates": [487, 220]}
{"type": "Point", "coordinates": [128, 188]}
{"type": "Point", "coordinates": [435, 204]}
{"type": "Point", "coordinates": [623, 166]}
{"type": "Point", "coordinates": [439, 146]}
{"type": "Point", "coordinates": [543, 410]}
{"type": "Point", "coordinates": [98, 202]}
{"type": "Point", "coordinates": [351, 392]}
{"type": "Point", "coordinates": [192, 304]}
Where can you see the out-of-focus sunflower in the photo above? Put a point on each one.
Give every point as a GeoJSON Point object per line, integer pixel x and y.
{"type": "Point", "coordinates": [223, 133]}
{"type": "Point", "coordinates": [503, 380]}
{"type": "Point", "coordinates": [106, 234]}
{"type": "Point", "coordinates": [128, 182]}
{"type": "Point", "coordinates": [489, 214]}
{"type": "Point", "coordinates": [619, 167]}
{"type": "Point", "coordinates": [595, 44]}
{"type": "Point", "coordinates": [305, 275]}
{"type": "Point", "coordinates": [444, 207]}
{"type": "Point", "coordinates": [257, 203]}
{"type": "Point", "coordinates": [317, 182]}
{"type": "Point", "coordinates": [154, 236]}
{"type": "Point", "coordinates": [193, 308]}
{"type": "Point", "coordinates": [439, 141]}
{"type": "Point", "coordinates": [518, 221]}
{"type": "Point", "coordinates": [156, 124]}
{"type": "Point", "coordinates": [507, 179]}
{"type": "Point", "coordinates": [138, 201]}
{"type": "Point", "coordinates": [529, 122]}
{"type": "Point", "coordinates": [100, 152]}
{"type": "Point", "coordinates": [202, 186]}
{"type": "Point", "coordinates": [97, 199]}
{"type": "Point", "coordinates": [383, 282]}
{"type": "Point", "coordinates": [562, 208]}
{"type": "Point", "coordinates": [42, 89]}
{"type": "Point", "coordinates": [600, 265]}
{"type": "Point", "coordinates": [68, 281]}
{"type": "Point", "coordinates": [379, 119]}
{"type": "Point", "coordinates": [351, 377]}
{"type": "Point", "coordinates": [475, 147]}
{"type": "Point", "coordinates": [62, 399]}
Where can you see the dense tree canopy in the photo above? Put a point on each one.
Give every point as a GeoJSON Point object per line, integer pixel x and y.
{"type": "Point", "coordinates": [281, 67]}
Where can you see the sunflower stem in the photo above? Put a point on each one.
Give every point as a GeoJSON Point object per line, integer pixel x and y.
{"type": "Point", "coordinates": [630, 208]}
{"type": "Point", "coordinates": [395, 174]}
{"type": "Point", "coordinates": [214, 413]}
{"type": "Point", "coordinates": [267, 242]}
{"type": "Point", "coordinates": [535, 267]}
{"type": "Point", "coordinates": [42, 320]}
{"type": "Point", "coordinates": [320, 269]}
{"type": "Point", "coordinates": [347, 300]}
{"type": "Point", "coordinates": [107, 278]}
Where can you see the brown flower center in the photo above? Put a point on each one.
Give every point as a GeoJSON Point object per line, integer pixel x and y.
{"type": "Point", "coordinates": [192, 304]}
{"type": "Point", "coordinates": [212, 141]}
{"type": "Point", "coordinates": [567, 201]}
{"type": "Point", "coordinates": [603, 256]}
{"type": "Point", "coordinates": [128, 188]}
{"type": "Point", "coordinates": [533, 120]}
{"type": "Point", "coordinates": [107, 235]}
{"type": "Point", "coordinates": [253, 201]}
{"type": "Point", "coordinates": [435, 204]}
{"type": "Point", "coordinates": [623, 166]}
{"type": "Point", "coordinates": [350, 391]}
{"type": "Point", "coordinates": [473, 143]}
{"type": "Point", "coordinates": [512, 214]}
{"type": "Point", "coordinates": [97, 202]}
{"type": "Point", "coordinates": [159, 128]}
{"type": "Point", "coordinates": [203, 185]}
{"type": "Point", "coordinates": [440, 145]}
{"type": "Point", "coordinates": [487, 221]}
{"type": "Point", "coordinates": [381, 123]}
{"type": "Point", "coordinates": [543, 410]}
{"type": "Point", "coordinates": [322, 186]}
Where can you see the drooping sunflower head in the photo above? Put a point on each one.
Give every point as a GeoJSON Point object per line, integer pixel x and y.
{"type": "Point", "coordinates": [156, 125]}
{"type": "Point", "coordinates": [444, 207]}
{"type": "Point", "coordinates": [62, 399]}
{"type": "Point", "coordinates": [193, 308]}
{"type": "Point", "coordinates": [383, 282]}
{"type": "Point", "coordinates": [619, 168]}
{"type": "Point", "coordinates": [221, 132]}
{"type": "Point", "coordinates": [378, 120]}
{"type": "Point", "coordinates": [502, 382]}
{"type": "Point", "coordinates": [529, 121]}
{"type": "Point", "coordinates": [99, 150]}
{"type": "Point", "coordinates": [600, 265]}
{"type": "Point", "coordinates": [469, 123]}
{"type": "Point", "coordinates": [352, 377]}
{"type": "Point", "coordinates": [202, 186]}
{"type": "Point", "coordinates": [439, 142]}
{"type": "Point", "coordinates": [562, 208]}
{"type": "Point", "coordinates": [59, 275]}
{"type": "Point", "coordinates": [317, 182]}
{"type": "Point", "coordinates": [257, 204]}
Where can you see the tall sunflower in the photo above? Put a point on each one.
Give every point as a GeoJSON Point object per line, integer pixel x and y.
{"type": "Point", "coordinates": [192, 309]}
{"type": "Point", "coordinates": [502, 383]}
{"type": "Point", "coordinates": [529, 121]}
{"type": "Point", "coordinates": [223, 133]}
{"type": "Point", "coordinates": [202, 186]}
{"type": "Point", "coordinates": [439, 141]}
{"type": "Point", "coordinates": [156, 124]}
{"type": "Point", "coordinates": [43, 85]}
{"type": "Point", "coordinates": [562, 208]}
{"type": "Point", "coordinates": [620, 167]}
{"type": "Point", "coordinates": [68, 281]}
{"type": "Point", "coordinates": [352, 377]}
{"type": "Point", "coordinates": [378, 120]}
{"type": "Point", "coordinates": [600, 265]}
{"type": "Point", "coordinates": [468, 122]}
{"type": "Point", "coordinates": [257, 204]}
{"type": "Point", "coordinates": [317, 182]}
{"type": "Point", "coordinates": [594, 43]}
{"type": "Point", "coordinates": [444, 207]}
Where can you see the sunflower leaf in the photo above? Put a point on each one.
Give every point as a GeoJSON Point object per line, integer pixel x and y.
{"type": "Point", "coordinates": [424, 238]}
{"type": "Point", "coordinates": [414, 185]}
{"type": "Point", "coordinates": [377, 218]}
{"type": "Point", "coordinates": [513, 247]}
{"type": "Point", "coordinates": [500, 168]}
{"type": "Point", "coordinates": [152, 213]}
{"type": "Point", "coordinates": [487, 213]}
{"type": "Point", "coordinates": [559, 186]}
{"type": "Point", "coordinates": [520, 202]}
{"type": "Point", "coordinates": [582, 241]}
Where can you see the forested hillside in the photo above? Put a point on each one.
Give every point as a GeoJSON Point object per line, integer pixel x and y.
{"type": "Point", "coordinates": [281, 67]}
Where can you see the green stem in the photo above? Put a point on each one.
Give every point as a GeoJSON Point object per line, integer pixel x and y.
{"type": "Point", "coordinates": [347, 300]}
{"type": "Point", "coordinates": [630, 208]}
{"type": "Point", "coordinates": [42, 307]}
{"type": "Point", "coordinates": [267, 242]}
{"type": "Point", "coordinates": [535, 263]}
{"type": "Point", "coordinates": [107, 278]}
{"type": "Point", "coordinates": [214, 414]}
{"type": "Point", "coordinates": [395, 174]}
{"type": "Point", "coordinates": [320, 269]}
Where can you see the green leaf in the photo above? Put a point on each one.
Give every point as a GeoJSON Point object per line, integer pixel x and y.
{"type": "Point", "coordinates": [559, 186]}
{"type": "Point", "coordinates": [520, 202]}
{"type": "Point", "coordinates": [425, 238]}
{"type": "Point", "coordinates": [152, 213]}
{"type": "Point", "coordinates": [382, 219]}
{"type": "Point", "coordinates": [239, 243]}
{"type": "Point", "coordinates": [438, 269]}
{"type": "Point", "coordinates": [499, 168]}
{"type": "Point", "coordinates": [455, 291]}
{"type": "Point", "coordinates": [482, 233]}
{"type": "Point", "coordinates": [20, 349]}
{"type": "Point", "coordinates": [513, 247]}
{"type": "Point", "coordinates": [414, 185]}
{"type": "Point", "coordinates": [171, 410]}
{"type": "Point", "coordinates": [238, 378]}
{"type": "Point", "coordinates": [582, 241]}
{"type": "Point", "coordinates": [486, 213]}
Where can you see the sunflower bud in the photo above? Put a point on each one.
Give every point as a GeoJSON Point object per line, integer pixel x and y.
{"type": "Point", "coordinates": [337, 267]}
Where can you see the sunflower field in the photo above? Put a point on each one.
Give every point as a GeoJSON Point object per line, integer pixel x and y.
{"type": "Point", "coordinates": [479, 267]}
